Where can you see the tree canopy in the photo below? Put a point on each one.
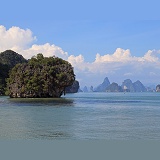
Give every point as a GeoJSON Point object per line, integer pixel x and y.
{"type": "Point", "coordinates": [40, 77]}
{"type": "Point", "coordinates": [8, 59]}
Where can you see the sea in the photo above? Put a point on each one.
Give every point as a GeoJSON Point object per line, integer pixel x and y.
{"type": "Point", "coordinates": [82, 116]}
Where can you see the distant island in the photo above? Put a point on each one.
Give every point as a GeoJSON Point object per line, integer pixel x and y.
{"type": "Point", "coordinates": [127, 86]}
{"type": "Point", "coordinates": [35, 78]}
{"type": "Point", "coordinates": [73, 88]}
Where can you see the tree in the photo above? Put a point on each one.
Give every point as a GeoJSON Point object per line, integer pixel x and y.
{"type": "Point", "coordinates": [8, 59]}
{"type": "Point", "coordinates": [40, 77]}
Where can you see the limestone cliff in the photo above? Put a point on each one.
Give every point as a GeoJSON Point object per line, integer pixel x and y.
{"type": "Point", "coordinates": [114, 87]}
{"type": "Point", "coordinates": [102, 87]}
{"type": "Point", "coordinates": [73, 88]}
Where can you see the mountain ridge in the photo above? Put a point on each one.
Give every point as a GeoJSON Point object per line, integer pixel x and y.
{"type": "Point", "coordinates": [126, 86]}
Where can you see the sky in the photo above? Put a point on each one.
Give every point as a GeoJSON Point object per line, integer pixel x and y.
{"type": "Point", "coordinates": [115, 39]}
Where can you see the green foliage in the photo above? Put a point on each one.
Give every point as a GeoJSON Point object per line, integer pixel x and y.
{"type": "Point", "coordinates": [11, 58]}
{"type": "Point", "coordinates": [8, 59]}
{"type": "Point", "coordinates": [40, 77]}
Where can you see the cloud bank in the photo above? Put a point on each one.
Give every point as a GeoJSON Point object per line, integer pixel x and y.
{"type": "Point", "coordinates": [15, 38]}
{"type": "Point", "coordinates": [117, 66]}
{"type": "Point", "coordinates": [22, 41]}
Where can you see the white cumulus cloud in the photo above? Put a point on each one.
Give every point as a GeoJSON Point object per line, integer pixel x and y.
{"type": "Point", "coordinates": [15, 38]}
{"type": "Point", "coordinates": [22, 41]}
{"type": "Point", "coordinates": [120, 55]}
{"type": "Point", "coordinates": [152, 56]}
{"type": "Point", "coordinates": [46, 49]}
{"type": "Point", "coordinates": [76, 59]}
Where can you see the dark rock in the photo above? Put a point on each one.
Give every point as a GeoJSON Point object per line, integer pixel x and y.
{"type": "Point", "coordinates": [80, 90]}
{"type": "Point", "coordinates": [73, 88]}
{"type": "Point", "coordinates": [158, 88]}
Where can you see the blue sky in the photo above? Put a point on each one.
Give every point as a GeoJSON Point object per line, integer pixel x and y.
{"type": "Point", "coordinates": [79, 30]}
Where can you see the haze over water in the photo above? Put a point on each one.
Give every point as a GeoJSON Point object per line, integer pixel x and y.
{"type": "Point", "coordinates": [81, 116]}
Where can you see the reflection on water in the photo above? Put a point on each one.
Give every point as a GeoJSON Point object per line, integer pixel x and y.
{"type": "Point", "coordinates": [42, 101]}
{"type": "Point", "coordinates": [53, 135]}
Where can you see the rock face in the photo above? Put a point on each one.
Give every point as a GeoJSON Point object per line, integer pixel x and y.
{"type": "Point", "coordinates": [73, 88]}
{"type": "Point", "coordinates": [139, 87]}
{"type": "Point", "coordinates": [158, 88]}
{"type": "Point", "coordinates": [114, 87]}
{"type": "Point", "coordinates": [127, 86]}
{"type": "Point", "coordinates": [79, 90]}
{"type": "Point", "coordinates": [102, 87]}
{"type": "Point", "coordinates": [4, 69]}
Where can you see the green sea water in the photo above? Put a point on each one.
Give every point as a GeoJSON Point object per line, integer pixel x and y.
{"type": "Point", "coordinates": [82, 116]}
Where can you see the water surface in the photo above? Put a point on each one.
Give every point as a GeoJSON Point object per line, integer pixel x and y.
{"type": "Point", "coordinates": [81, 116]}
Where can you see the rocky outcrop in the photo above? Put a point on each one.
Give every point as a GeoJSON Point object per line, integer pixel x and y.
{"type": "Point", "coordinates": [139, 87]}
{"type": "Point", "coordinates": [80, 90]}
{"type": "Point", "coordinates": [114, 87]}
{"type": "Point", "coordinates": [102, 87]}
{"type": "Point", "coordinates": [127, 86]}
{"type": "Point", "coordinates": [158, 88]}
{"type": "Point", "coordinates": [73, 88]}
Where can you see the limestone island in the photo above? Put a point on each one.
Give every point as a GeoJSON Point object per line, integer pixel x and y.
{"type": "Point", "coordinates": [40, 77]}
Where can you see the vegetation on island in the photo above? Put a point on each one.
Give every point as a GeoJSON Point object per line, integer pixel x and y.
{"type": "Point", "coordinates": [11, 58]}
{"type": "Point", "coordinates": [8, 59]}
{"type": "Point", "coordinates": [40, 77]}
